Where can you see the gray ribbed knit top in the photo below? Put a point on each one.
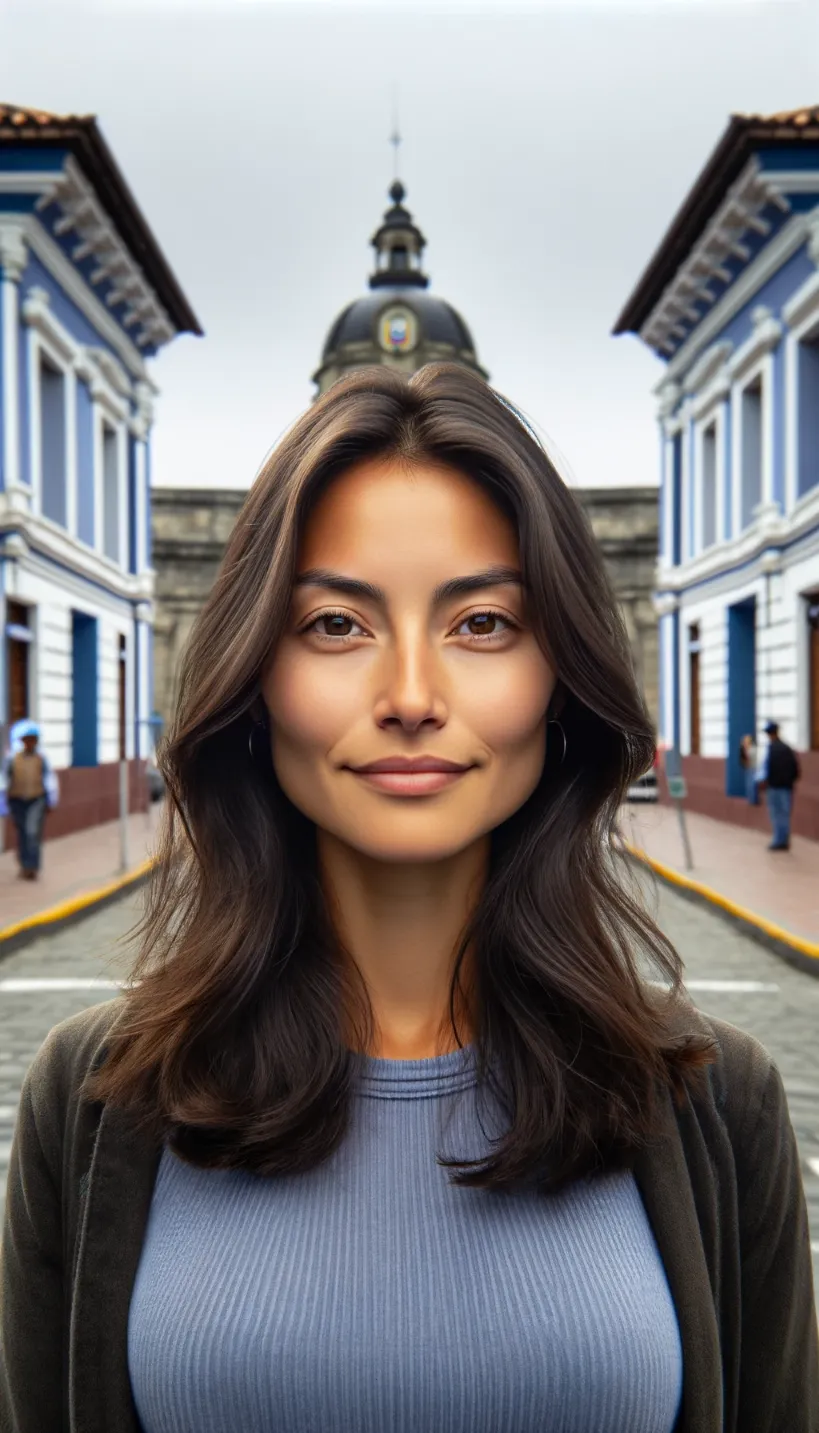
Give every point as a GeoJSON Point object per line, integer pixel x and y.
{"type": "Point", "coordinates": [372, 1296]}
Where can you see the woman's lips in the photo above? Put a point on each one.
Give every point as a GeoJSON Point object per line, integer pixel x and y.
{"type": "Point", "coordinates": [411, 783]}
{"type": "Point", "coordinates": [421, 776]}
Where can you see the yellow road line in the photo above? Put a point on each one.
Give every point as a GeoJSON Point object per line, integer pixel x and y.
{"type": "Point", "coordinates": [777, 932]}
{"type": "Point", "coordinates": [75, 903]}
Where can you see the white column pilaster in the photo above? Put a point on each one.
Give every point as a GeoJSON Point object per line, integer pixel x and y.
{"type": "Point", "coordinates": [767, 436]}
{"type": "Point", "coordinates": [71, 451]}
{"type": "Point", "coordinates": [122, 493]}
{"type": "Point", "coordinates": [99, 486]}
{"type": "Point", "coordinates": [141, 503]}
{"type": "Point", "coordinates": [13, 258]}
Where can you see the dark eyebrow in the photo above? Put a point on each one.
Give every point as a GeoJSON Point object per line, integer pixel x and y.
{"type": "Point", "coordinates": [455, 587]}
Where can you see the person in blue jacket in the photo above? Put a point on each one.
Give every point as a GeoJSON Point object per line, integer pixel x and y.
{"type": "Point", "coordinates": [30, 792]}
{"type": "Point", "coordinates": [778, 774]}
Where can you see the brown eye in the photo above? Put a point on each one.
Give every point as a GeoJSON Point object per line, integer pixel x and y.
{"type": "Point", "coordinates": [482, 623]}
{"type": "Point", "coordinates": [334, 627]}
{"type": "Point", "coordinates": [336, 624]}
{"type": "Point", "coordinates": [486, 626]}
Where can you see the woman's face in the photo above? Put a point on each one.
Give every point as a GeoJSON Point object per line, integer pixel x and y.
{"type": "Point", "coordinates": [407, 641]}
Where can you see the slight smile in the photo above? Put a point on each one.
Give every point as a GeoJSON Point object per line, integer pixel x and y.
{"type": "Point", "coordinates": [407, 776]}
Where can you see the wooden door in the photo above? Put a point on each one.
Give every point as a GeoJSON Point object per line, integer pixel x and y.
{"type": "Point", "coordinates": [18, 680]}
{"type": "Point", "coordinates": [17, 664]}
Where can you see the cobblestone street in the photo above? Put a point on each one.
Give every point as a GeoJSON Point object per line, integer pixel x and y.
{"type": "Point", "coordinates": [780, 1006]}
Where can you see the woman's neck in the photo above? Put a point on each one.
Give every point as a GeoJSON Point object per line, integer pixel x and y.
{"type": "Point", "coordinates": [402, 925]}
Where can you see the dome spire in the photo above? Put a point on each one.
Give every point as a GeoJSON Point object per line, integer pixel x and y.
{"type": "Point", "coordinates": [398, 245]}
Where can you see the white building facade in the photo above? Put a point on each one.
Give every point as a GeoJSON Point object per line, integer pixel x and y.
{"type": "Point", "coordinates": [731, 303]}
{"type": "Point", "coordinates": [86, 299]}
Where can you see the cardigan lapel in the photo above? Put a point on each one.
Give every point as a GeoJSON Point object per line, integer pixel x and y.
{"type": "Point", "coordinates": [664, 1181]}
{"type": "Point", "coordinates": [119, 1191]}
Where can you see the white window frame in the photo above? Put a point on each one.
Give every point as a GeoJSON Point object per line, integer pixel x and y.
{"type": "Point", "coordinates": [110, 410]}
{"type": "Point", "coordinates": [808, 329]}
{"type": "Point", "coordinates": [711, 417]}
{"type": "Point", "coordinates": [672, 428]}
{"type": "Point", "coordinates": [102, 372]}
{"type": "Point", "coordinates": [763, 373]}
{"type": "Point", "coordinates": [59, 357]}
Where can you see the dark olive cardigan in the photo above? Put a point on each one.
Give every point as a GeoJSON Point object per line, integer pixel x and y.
{"type": "Point", "coordinates": [722, 1187]}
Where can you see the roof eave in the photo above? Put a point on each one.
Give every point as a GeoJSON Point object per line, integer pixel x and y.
{"type": "Point", "coordinates": [81, 135]}
{"type": "Point", "coordinates": [725, 161]}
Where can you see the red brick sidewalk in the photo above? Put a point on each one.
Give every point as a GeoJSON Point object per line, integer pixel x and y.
{"type": "Point", "coordinates": [782, 887]}
{"type": "Point", "coordinates": [732, 860]}
{"type": "Point", "coordinates": [74, 865]}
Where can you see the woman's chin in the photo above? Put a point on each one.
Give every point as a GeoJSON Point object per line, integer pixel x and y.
{"type": "Point", "coordinates": [395, 847]}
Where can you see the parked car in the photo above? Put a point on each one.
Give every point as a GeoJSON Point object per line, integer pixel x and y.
{"type": "Point", "coordinates": [646, 787]}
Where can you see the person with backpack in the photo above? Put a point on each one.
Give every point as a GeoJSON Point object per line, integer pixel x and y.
{"type": "Point", "coordinates": [30, 792]}
{"type": "Point", "coordinates": [778, 775]}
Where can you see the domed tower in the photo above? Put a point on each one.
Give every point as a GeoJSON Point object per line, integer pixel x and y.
{"type": "Point", "coordinates": [398, 322]}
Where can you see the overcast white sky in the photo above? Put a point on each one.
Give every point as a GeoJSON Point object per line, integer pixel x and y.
{"type": "Point", "coordinates": [545, 150]}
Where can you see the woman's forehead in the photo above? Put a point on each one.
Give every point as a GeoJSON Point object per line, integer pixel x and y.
{"type": "Point", "coordinates": [381, 506]}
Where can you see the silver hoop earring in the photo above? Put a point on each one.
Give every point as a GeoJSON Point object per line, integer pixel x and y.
{"type": "Point", "coordinates": [555, 722]}
{"type": "Point", "coordinates": [259, 725]}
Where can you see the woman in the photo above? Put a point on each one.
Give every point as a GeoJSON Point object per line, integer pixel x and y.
{"type": "Point", "coordinates": [748, 760]}
{"type": "Point", "coordinates": [390, 1129]}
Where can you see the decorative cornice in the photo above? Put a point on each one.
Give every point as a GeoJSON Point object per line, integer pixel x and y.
{"type": "Point", "coordinates": [706, 366]}
{"type": "Point", "coordinates": [771, 562]}
{"type": "Point", "coordinates": [36, 312]}
{"type": "Point", "coordinates": [13, 250]}
{"type": "Point", "coordinates": [771, 531]}
{"type": "Point", "coordinates": [668, 396]}
{"type": "Point", "coordinates": [768, 262]}
{"type": "Point", "coordinates": [717, 391]}
{"type": "Point", "coordinates": [741, 210]}
{"type": "Point", "coordinates": [97, 237]}
{"type": "Point", "coordinates": [75, 287]}
{"type": "Point", "coordinates": [767, 331]}
{"type": "Point", "coordinates": [106, 378]}
{"type": "Point", "coordinates": [41, 537]}
{"type": "Point", "coordinates": [111, 369]}
{"type": "Point", "coordinates": [664, 603]}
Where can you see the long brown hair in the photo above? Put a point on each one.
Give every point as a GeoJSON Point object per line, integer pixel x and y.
{"type": "Point", "coordinates": [230, 1044]}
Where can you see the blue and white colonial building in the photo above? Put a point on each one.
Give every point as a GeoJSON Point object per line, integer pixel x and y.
{"type": "Point", "coordinates": [730, 302]}
{"type": "Point", "coordinates": [86, 299]}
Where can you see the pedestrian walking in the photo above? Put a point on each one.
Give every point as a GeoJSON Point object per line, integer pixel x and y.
{"type": "Point", "coordinates": [778, 774]}
{"type": "Point", "coordinates": [30, 788]}
{"type": "Point", "coordinates": [391, 1125]}
{"type": "Point", "coordinates": [749, 760]}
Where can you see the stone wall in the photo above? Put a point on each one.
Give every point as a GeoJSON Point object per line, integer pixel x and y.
{"type": "Point", "coordinates": [190, 529]}
{"type": "Point", "coordinates": [625, 522]}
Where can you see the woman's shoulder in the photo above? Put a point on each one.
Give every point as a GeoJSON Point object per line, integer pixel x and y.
{"type": "Point", "coordinates": [743, 1080]}
{"type": "Point", "coordinates": [68, 1052]}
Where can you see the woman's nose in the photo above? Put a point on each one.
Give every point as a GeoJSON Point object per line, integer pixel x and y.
{"type": "Point", "coordinates": [412, 693]}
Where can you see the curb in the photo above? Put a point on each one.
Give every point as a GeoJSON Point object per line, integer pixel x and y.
{"type": "Point", "coordinates": [56, 918]}
{"type": "Point", "coordinates": [799, 952]}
